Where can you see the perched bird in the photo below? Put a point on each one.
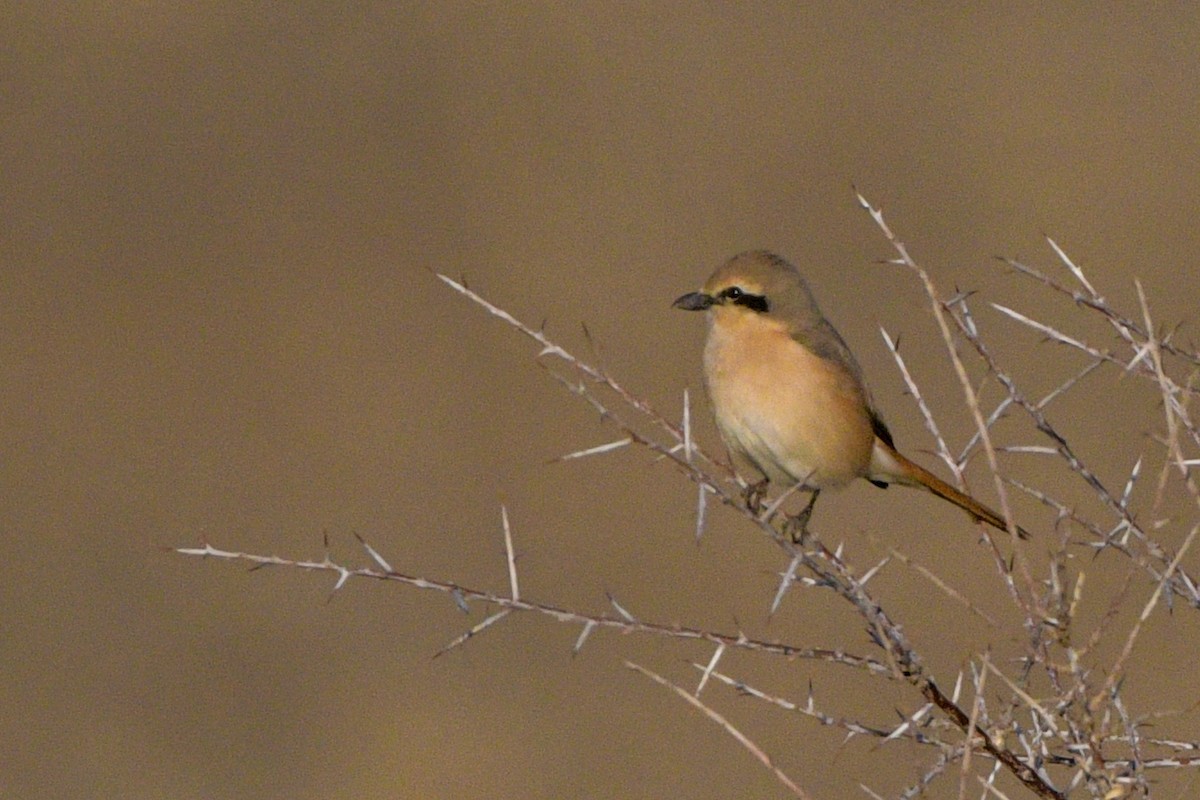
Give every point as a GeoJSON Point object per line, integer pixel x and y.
{"type": "Point", "coordinates": [788, 395]}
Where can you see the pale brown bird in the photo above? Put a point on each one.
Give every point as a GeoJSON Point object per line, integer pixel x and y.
{"type": "Point", "coordinates": [788, 395]}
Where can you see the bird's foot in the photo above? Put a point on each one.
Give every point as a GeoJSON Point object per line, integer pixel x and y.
{"type": "Point", "coordinates": [754, 494]}
{"type": "Point", "coordinates": [796, 525]}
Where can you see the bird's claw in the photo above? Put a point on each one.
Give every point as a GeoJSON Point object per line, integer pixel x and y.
{"type": "Point", "coordinates": [796, 525]}
{"type": "Point", "coordinates": [754, 494]}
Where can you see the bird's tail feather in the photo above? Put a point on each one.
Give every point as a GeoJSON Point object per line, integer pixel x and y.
{"type": "Point", "coordinates": [912, 474]}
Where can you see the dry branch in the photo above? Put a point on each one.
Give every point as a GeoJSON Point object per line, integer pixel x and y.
{"type": "Point", "coordinates": [1056, 722]}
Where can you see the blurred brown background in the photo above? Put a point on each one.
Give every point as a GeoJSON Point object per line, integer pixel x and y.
{"type": "Point", "coordinates": [218, 323]}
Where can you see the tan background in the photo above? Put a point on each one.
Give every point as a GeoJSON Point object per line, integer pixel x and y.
{"type": "Point", "coordinates": [218, 322]}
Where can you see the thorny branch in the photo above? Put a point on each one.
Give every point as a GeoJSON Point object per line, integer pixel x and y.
{"type": "Point", "coordinates": [462, 595]}
{"type": "Point", "coordinates": [1082, 730]}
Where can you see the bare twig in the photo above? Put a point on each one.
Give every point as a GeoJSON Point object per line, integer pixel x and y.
{"type": "Point", "coordinates": [1055, 731]}
{"type": "Point", "coordinates": [742, 739]}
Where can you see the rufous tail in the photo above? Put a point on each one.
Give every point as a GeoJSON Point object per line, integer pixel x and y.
{"type": "Point", "coordinates": [915, 475]}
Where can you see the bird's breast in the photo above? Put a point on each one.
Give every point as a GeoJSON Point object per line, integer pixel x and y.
{"type": "Point", "coordinates": [795, 415]}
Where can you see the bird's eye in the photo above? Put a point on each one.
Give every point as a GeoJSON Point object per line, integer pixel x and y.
{"type": "Point", "coordinates": [740, 297]}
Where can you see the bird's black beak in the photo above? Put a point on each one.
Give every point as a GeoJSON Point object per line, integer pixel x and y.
{"type": "Point", "coordinates": [694, 301]}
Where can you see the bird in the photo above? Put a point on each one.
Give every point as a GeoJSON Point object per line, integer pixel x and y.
{"type": "Point", "coordinates": [788, 395]}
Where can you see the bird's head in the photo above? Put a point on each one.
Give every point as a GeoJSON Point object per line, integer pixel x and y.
{"type": "Point", "coordinates": [753, 283]}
